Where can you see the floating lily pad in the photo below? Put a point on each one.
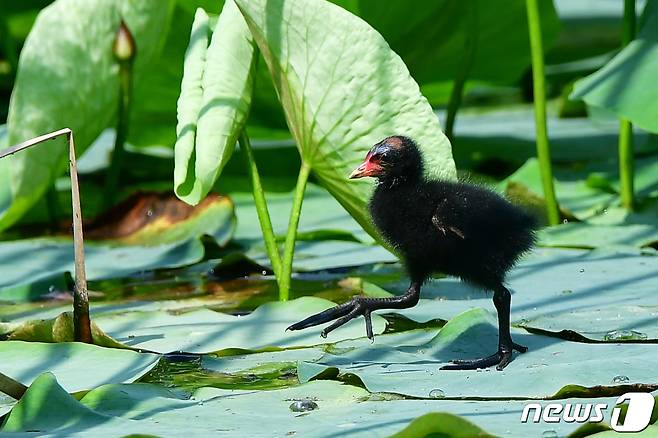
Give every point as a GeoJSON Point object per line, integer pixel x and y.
{"type": "Point", "coordinates": [551, 284]}
{"type": "Point", "coordinates": [348, 410]}
{"type": "Point", "coordinates": [606, 323]}
{"type": "Point", "coordinates": [576, 197]}
{"type": "Point", "coordinates": [614, 227]}
{"type": "Point", "coordinates": [509, 134]}
{"type": "Point", "coordinates": [590, 191]}
{"type": "Point", "coordinates": [549, 365]}
{"type": "Point", "coordinates": [45, 258]}
{"type": "Point", "coordinates": [76, 365]}
{"type": "Point", "coordinates": [204, 331]}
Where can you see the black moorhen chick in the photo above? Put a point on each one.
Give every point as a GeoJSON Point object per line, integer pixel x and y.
{"type": "Point", "coordinates": [450, 227]}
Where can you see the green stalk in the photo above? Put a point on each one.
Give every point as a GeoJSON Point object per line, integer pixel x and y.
{"type": "Point", "coordinates": [539, 91]}
{"type": "Point", "coordinates": [261, 205]}
{"type": "Point", "coordinates": [124, 51]}
{"type": "Point", "coordinates": [291, 236]}
{"type": "Point", "coordinates": [464, 71]}
{"type": "Point", "coordinates": [626, 153]}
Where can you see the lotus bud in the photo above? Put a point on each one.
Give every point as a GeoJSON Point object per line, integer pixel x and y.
{"type": "Point", "coordinates": [124, 44]}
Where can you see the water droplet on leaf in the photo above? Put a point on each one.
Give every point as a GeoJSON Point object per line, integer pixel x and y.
{"type": "Point", "coordinates": [581, 270]}
{"type": "Point", "coordinates": [621, 379]}
{"type": "Point", "coordinates": [624, 335]}
{"type": "Point", "coordinates": [303, 405]}
{"type": "Point", "coordinates": [549, 434]}
{"type": "Point", "coordinates": [437, 393]}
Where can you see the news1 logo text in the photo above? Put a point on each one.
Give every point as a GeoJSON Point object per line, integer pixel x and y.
{"type": "Point", "coordinates": [638, 414]}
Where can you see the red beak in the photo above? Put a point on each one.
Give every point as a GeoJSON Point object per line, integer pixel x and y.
{"type": "Point", "coordinates": [367, 168]}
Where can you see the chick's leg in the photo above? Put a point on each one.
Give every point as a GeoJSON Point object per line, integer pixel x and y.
{"type": "Point", "coordinates": [359, 306]}
{"type": "Point", "coordinates": [502, 300]}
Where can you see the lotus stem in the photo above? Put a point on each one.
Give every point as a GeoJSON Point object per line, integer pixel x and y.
{"type": "Point", "coordinates": [626, 152]}
{"type": "Point", "coordinates": [539, 92]}
{"type": "Point", "coordinates": [124, 52]}
{"type": "Point", "coordinates": [291, 236]}
{"type": "Point", "coordinates": [464, 71]}
{"type": "Point", "coordinates": [261, 205]}
{"type": "Point", "coordinates": [81, 320]}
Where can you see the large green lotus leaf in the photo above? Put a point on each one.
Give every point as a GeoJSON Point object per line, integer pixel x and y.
{"type": "Point", "coordinates": [68, 77]}
{"type": "Point", "coordinates": [155, 96]}
{"type": "Point", "coordinates": [40, 261]}
{"type": "Point", "coordinates": [190, 101]}
{"type": "Point", "coordinates": [77, 366]}
{"type": "Point", "coordinates": [549, 365]}
{"type": "Point", "coordinates": [153, 410]}
{"type": "Point", "coordinates": [550, 284]}
{"type": "Point", "coordinates": [204, 331]}
{"type": "Point", "coordinates": [343, 90]}
{"type": "Point", "coordinates": [625, 84]}
{"type": "Point", "coordinates": [431, 39]}
{"type": "Point", "coordinates": [215, 100]}
{"type": "Point", "coordinates": [509, 134]}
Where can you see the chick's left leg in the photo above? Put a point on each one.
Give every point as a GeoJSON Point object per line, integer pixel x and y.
{"type": "Point", "coordinates": [502, 301]}
{"type": "Point", "coordinates": [359, 306]}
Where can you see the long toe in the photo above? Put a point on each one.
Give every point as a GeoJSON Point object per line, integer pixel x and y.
{"type": "Point", "coordinates": [322, 317]}
{"type": "Point", "coordinates": [500, 359]}
{"type": "Point", "coordinates": [340, 315]}
{"type": "Point", "coordinates": [473, 364]}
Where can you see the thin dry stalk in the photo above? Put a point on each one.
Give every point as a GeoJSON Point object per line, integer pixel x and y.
{"type": "Point", "coordinates": [81, 321]}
